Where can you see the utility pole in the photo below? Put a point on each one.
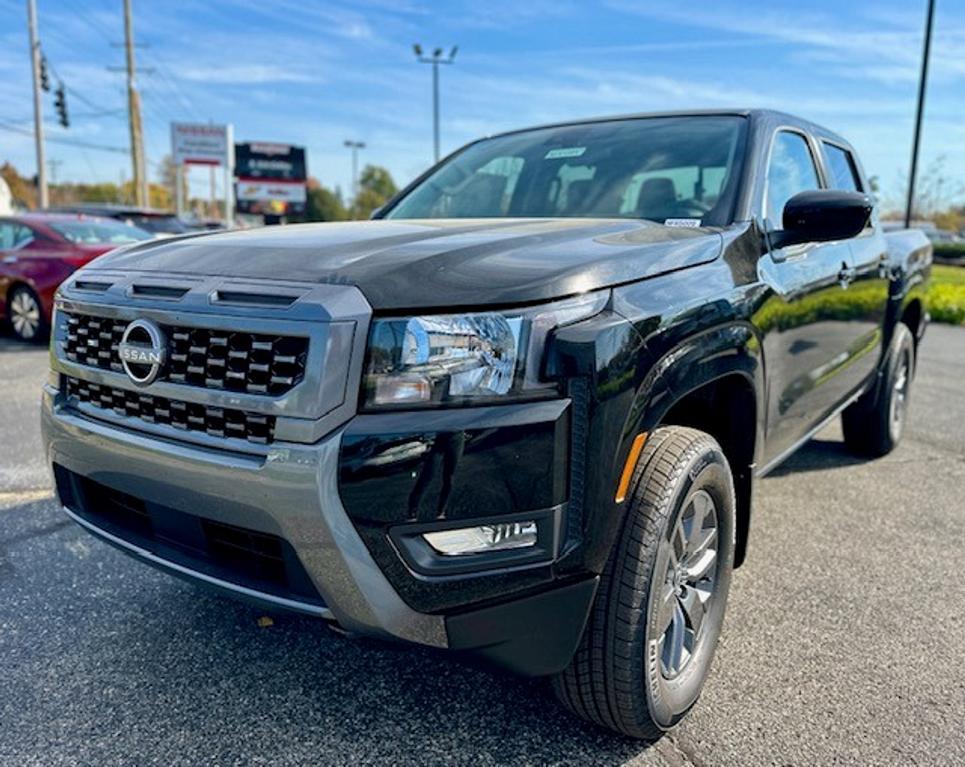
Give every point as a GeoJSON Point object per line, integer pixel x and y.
{"type": "Point", "coordinates": [54, 164]}
{"type": "Point", "coordinates": [43, 199]}
{"type": "Point", "coordinates": [355, 146]}
{"type": "Point", "coordinates": [134, 114]}
{"type": "Point", "coordinates": [922, 82]}
{"type": "Point", "coordinates": [435, 59]}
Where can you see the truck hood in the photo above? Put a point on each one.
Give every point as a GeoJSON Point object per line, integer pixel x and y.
{"type": "Point", "coordinates": [415, 264]}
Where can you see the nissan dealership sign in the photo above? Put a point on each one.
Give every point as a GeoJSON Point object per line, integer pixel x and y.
{"type": "Point", "coordinates": [271, 178]}
{"type": "Point", "coordinates": [199, 144]}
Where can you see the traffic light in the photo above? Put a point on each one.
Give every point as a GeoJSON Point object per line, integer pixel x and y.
{"type": "Point", "coordinates": [44, 77]}
{"type": "Point", "coordinates": [60, 104]}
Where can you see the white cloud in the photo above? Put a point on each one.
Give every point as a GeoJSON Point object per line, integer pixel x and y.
{"type": "Point", "coordinates": [244, 74]}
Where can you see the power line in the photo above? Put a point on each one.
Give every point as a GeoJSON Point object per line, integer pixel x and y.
{"type": "Point", "coordinates": [170, 81]}
{"type": "Point", "coordinates": [70, 142]}
{"type": "Point", "coordinates": [90, 23]}
{"type": "Point", "coordinates": [80, 96]}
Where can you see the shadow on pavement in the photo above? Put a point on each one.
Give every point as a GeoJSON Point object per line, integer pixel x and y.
{"type": "Point", "coordinates": [818, 455]}
{"type": "Point", "coordinates": [8, 342]}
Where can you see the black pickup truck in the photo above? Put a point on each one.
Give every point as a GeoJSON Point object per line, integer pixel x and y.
{"type": "Point", "coordinates": [520, 414]}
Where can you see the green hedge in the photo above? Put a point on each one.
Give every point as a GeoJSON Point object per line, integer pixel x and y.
{"type": "Point", "coordinates": [946, 294]}
{"type": "Point", "coordinates": [950, 250]}
{"type": "Point", "coordinates": [946, 303]}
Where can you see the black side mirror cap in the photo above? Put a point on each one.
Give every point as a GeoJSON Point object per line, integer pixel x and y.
{"type": "Point", "coordinates": [823, 215]}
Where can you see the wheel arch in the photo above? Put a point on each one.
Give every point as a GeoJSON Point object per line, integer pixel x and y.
{"type": "Point", "coordinates": [714, 382]}
{"type": "Point", "coordinates": [912, 315]}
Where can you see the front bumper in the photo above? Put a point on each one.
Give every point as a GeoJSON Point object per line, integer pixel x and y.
{"type": "Point", "coordinates": [291, 493]}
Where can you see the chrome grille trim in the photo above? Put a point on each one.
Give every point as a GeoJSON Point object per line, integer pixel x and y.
{"type": "Point", "coordinates": [252, 363]}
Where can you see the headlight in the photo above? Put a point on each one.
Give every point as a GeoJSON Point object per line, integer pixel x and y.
{"type": "Point", "coordinates": [465, 358]}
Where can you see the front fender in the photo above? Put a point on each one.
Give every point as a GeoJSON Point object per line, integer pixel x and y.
{"type": "Point", "coordinates": [633, 393]}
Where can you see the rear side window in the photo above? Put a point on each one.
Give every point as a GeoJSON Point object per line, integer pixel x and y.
{"type": "Point", "coordinates": [841, 167]}
{"type": "Point", "coordinates": [791, 170]}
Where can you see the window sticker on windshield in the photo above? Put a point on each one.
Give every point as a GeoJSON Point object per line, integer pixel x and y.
{"type": "Point", "coordinates": [568, 151]}
{"type": "Point", "coordinates": [686, 223]}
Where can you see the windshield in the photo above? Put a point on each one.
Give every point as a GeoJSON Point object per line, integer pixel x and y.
{"type": "Point", "coordinates": [655, 168]}
{"type": "Point", "coordinates": [98, 232]}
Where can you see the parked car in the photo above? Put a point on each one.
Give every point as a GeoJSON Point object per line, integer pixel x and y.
{"type": "Point", "coordinates": [521, 414]}
{"type": "Point", "coordinates": [160, 223]}
{"type": "Point", "coordinates": [38, 251]}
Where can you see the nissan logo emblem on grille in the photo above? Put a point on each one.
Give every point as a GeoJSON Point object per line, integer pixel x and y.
{"type": "Point", "coordinates": [143, 350]}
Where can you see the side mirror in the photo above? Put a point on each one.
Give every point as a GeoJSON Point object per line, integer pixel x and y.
{"type": "Point", "coordinates": [823, 215]}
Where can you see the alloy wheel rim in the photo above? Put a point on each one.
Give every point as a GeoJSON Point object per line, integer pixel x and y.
{"type": "Point", "coordinates": [25, 315]}
{"type": "Point", "coordinates": [899, 398]}
{"type": "Point", "coordinates": [688, 586]}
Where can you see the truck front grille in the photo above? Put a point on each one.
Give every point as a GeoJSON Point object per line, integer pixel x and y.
{"type": "Point", "coordinates": [253, 363]}
{"type": "Point", "coordinates": [188, 416]}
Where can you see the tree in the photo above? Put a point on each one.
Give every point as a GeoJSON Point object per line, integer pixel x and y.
{"type": "Point", "coordinates": [167, 176]}
{"type": "Point", "coordinates": [22, 189]}
{"type": "Point", "coordinates": [324, 204]}
{"type": "Point", "coordinates": [934, 191]}
{"type": "Point", "coordinates": [376, 187]}
{"type": "Point", "coordinates": [952, 220]}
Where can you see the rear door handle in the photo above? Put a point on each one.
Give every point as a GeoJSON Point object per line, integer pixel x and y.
{"type": "Point", "coordinates": [10, 259]}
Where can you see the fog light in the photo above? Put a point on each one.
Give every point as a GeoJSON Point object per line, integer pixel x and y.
{"type": "Point", "coordinates": [475, 540]}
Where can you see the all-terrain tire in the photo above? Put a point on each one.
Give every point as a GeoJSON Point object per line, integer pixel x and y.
{"type": "Point", "coordinates": [873, 425]}
{"type": "Point", "coordinates": [617, 677]}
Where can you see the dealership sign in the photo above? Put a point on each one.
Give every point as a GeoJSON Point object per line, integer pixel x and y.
{"type": "Point", "coordinates": [199, 144]}
{"type": "Point", "coordinates": [271, 178]}
{"type": "Point", "coordinates": [286, 191]}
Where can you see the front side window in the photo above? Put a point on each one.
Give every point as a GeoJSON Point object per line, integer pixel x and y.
{"type": "Point", "coordinates": [841, 167]}
{"type": "Point", "coordinates": [648, 168]}
{"type": "Point", "coordinates": [791, 170]}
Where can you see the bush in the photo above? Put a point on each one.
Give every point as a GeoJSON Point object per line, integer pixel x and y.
{"type": "Point", "coordinates": [946, 303]}
{"type": "Point", "coordinates": [950, 251]}
{"type": "Point", "coordinates": [946, 295]}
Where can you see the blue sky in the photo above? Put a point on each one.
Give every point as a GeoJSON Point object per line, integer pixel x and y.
{"type": "Point", "coordinates": [317, 73]}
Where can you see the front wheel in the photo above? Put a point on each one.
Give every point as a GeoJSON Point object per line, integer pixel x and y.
{"type": "Point", "coordinates": [650, 639]}
{"type": "Point", "coordinates": [874, 424]}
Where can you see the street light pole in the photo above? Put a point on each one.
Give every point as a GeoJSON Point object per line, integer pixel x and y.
{"type": "Point", "coordinates": [42, 198]}
{"type": "Point", "coordinates": [435, 59]}
{"type": "Point", "coordinates": [910, 204]}
{"type": "Point", "coordinates": [355, 146]}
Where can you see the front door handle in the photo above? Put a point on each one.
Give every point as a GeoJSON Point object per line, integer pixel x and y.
{"type": "Point", "coordinates": [884, 267]}
{"type": "Point", "coordinates": [846, 275]}
{"type": "Point", "coordinates": [9, 259]}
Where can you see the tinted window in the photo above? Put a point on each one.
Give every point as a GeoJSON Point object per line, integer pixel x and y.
{"type": "Point", "coordinates": [791, 170]}
{"type": "Point", "coordinates": [652, 168]}
{"type": "Point", "coordinates": [98, 232]}
{"type": "Point", "coordinates": [844, 174]}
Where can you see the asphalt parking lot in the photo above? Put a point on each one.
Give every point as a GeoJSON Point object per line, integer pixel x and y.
{"type": "Point", "coordinates": [843, 642]}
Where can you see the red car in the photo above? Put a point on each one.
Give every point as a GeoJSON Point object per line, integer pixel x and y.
{"type": "Point", "coordinates": [38, 251]}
